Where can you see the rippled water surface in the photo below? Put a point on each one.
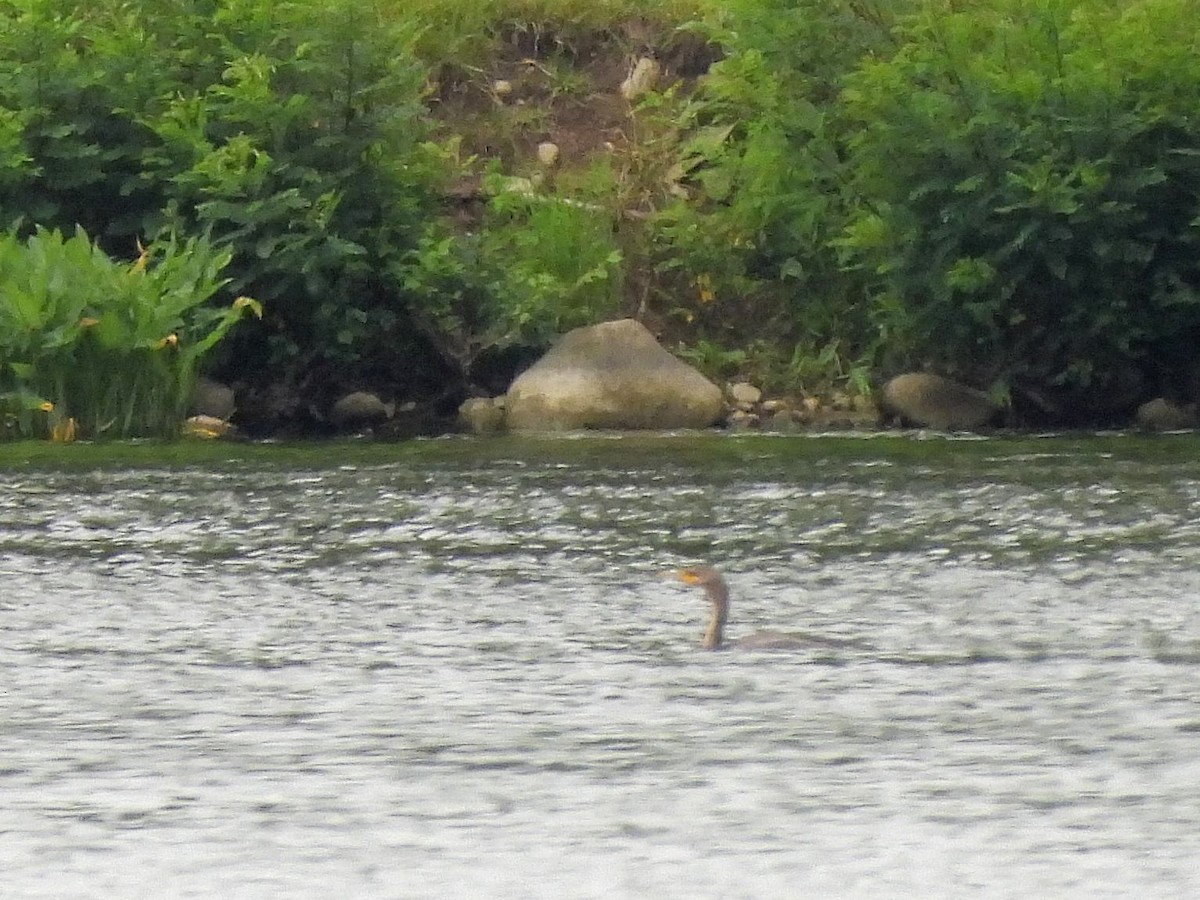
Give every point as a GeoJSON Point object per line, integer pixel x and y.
{"type": "Point", "coordinates": [454, 669]}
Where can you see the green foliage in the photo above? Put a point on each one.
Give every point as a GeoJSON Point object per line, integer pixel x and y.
{"type": "Point", "coordinates": [306, 156]}
{"type": "Point", "coordinates": [1029, 188]}
{"type": "Point", "coordinates": [72, 158]}
{"type": "Point", "coordinates": [778, 369]}
{"type": "Point", "coordinates": [555, 264]}
{"type": "Point", "coordinates": [112, 346]}
{"type": "Point", "coordinates": [542, 264]}
{"type": "Point", "coordinates": [763, 162]}
{"type": "Point", "coordinates": [462, 32]}
{"type": "Point", "coordinates": [805, 368]}
{"type": "Point", "coordinates": [291, 132]}
{"type": "Point", "coordinates": [714, 360]}
{"type": "Point", "coordinates": [1008, 190]}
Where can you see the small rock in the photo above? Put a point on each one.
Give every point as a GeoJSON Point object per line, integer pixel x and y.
{"type": "Point", "coordinates": [781, 419]}
{"type": "Point", "coordinates": [213, 399]}
{"type": "Point", "coordinates": [360, 409]}
{"type": "Point", "coordinates": [642, 79]}
{"type": "Point", "coordinates": [1160, 414]}
{"type": "Point", "coordinates": [482, 415]}
{"type": "Point", "coordinates": [547, 154]}
{"type": "Point", "coordinates": [206, 428]}
{"type": "Point", "coordinates": [744, 392]}
{"type": "Point", "coordinates": [932, 401]}
{"type": "Point", "coordinates": [863, 403]}
{"type": "Point", "coordinates": [741, 420]}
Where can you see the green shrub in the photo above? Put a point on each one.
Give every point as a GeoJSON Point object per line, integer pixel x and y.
{"type": "Point", "coordinates": [292, 133]}
{"type": "Point", "coordinates": [114, 347]}
{"type": "Point", "coordinates": [763, 157]}
{"type": "Point", "coordinates": [555, 264]}
{"type": "Point", "coordinates": [72, 157]}
{"type": "Point", "coordinates": [540, 265]}
{"type": "Point", "coordinates": [1030, 189]}
{"type": "Point", "coordinates": [1008, 191]}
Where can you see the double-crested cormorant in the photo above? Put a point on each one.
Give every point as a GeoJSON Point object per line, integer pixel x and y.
{"type": "Point", "coordinates": [714, 638]}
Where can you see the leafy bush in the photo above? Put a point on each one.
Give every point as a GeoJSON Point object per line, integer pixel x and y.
{"type": "Point", "coordinates": [1008, 192]}
{"type": "Point", "coordinates": [541, 265]}
{"type": "Point", "coordinates": [292, 133]}
{"type": "Point", "coordinates": [554, 262]}
{"type": "Point", "coordinates": [763, 157]}
{"type": "Point", "coordinates": [111, 346]}
{"type": "Point", "coordinates": [1030, 189]}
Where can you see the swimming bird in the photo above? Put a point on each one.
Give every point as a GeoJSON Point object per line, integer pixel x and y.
{"type": "Point", "coordinates": [714, 638]}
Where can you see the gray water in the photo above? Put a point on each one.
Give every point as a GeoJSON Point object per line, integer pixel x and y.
{"type": "Point", "coordinates": [455, 669]}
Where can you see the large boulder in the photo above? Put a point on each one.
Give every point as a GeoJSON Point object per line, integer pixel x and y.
{"type": "Point", "coordinates": [1161, 414]}
{"type": "Point", "coordinates": [611, 375]}
{"type": "Point", "coordinates": [932, 401]}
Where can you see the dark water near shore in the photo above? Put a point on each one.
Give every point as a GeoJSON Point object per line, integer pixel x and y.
{"type": "Point", "coordinates": [453, 669]}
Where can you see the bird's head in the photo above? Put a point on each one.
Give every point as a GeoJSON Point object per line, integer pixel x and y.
{"type": "Point", "coordinates": [699, 575]}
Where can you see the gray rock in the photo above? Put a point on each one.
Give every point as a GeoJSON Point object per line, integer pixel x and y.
{"type": "Point", "coordinates": [360, 409]}
{"type": "Point", "coordinates": [744, 392]}
{"type": "Point", "coordinates": [932, 401]}
{"type": "Point", "coordinates": [1161, 414]}
{"type": "Point", "coordinates": [642, 79]}
{"type": "Point", "coordinates": [611, 375]}
{"type": "Point", "coordinates": [548, 154]}
{"type": "Point", "coordinates": [781, 419]}
{"type": "Point", "coordinates": [742, 420]}
{"type": "Point", "coordinates": [482, 415]}
{"type": "Point", "coordinates": [212, 399]}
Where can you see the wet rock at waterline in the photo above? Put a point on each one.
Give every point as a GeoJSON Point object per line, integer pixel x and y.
{"type": "Point", "coordinates": [611, 375]}
{"type": "Point", "coordinates": [919, 398]}
{"type": "Point", "coordinates": [360, 409]}
{"type": "Point", "coordinates": [212, 399]}
{"type": "Point", "coordinates": [482, 415]}
{"type": "Point", "coordinates": [1161, 414]}
{"type": "Point", "coordinates": [207, 428]}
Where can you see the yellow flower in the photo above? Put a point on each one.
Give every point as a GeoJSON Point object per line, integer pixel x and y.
{"type": "Point", "coordinates": [46, 406]}
{"type": "Point", "coordinates": [143, 257]}
{"type": "Point", "coordinates": [63, 432]}
{"type": "Point", "coordinates": [171, 340]}
{"type": "Point", "coordinates": [249, 303]}
{"type": "Point", "coordinates": [88, 322]}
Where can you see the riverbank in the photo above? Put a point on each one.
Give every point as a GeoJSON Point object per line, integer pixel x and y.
{"type": "Point", "coordinates": [808, 196]}
{"type": "Point", "coordinates": [930, 451]}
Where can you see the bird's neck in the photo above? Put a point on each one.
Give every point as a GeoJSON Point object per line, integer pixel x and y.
{"type": "Point", "coordinates": [715, 634]}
